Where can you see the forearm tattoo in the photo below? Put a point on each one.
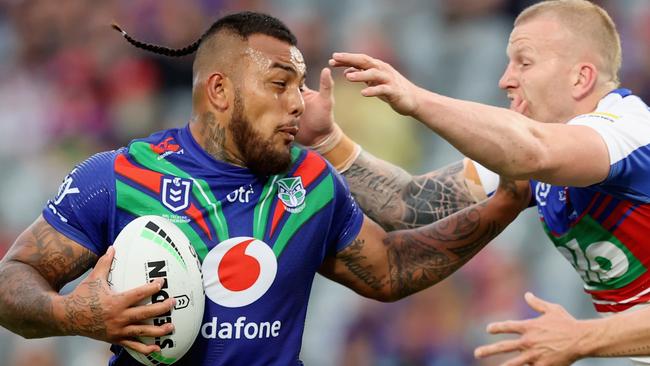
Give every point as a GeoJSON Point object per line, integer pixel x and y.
{"type": "Point", "coordinates": [420, 258]}
{"type": "Point", "coordinates": [39, 264]}
{"type": "Point", "coordinates": [396, 200]}
{"type": "Point", "coordinates": [78, 318]}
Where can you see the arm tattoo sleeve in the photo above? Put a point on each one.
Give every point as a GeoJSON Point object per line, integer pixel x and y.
{"type": "Point", "coordinates": [419, 258]}
{"type": "Point", "coordinates": [396, 200]}
{"type": "Point", "coordinates": [37, 266]}
{"type": "Point", "coordinates": [357, 263]}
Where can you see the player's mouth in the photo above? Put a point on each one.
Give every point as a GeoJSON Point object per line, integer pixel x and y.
{"type": "Point", "coordinates": [517, 103]}
{"type": "Point", "coordinates": [288, 131]}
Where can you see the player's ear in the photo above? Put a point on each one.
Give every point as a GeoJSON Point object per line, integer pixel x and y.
{"type": "Point", "coordinates": [218, 90]}
{"type": "Point", "coordinates": [584, 78]}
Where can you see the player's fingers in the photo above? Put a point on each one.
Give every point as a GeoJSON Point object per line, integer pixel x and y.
{"type": "Point", "coordinates": [358, 60]}
{"type": "Point", "coordinates": [137, 314]}
{"type": "Point", "coordinates": [139, 346]}
{"type": "Point", "coordinates": [134, 331]}
{"type": "Point", "coordinates": [103, 265]}
{"type": "Point", "coordinates": [510, 326]}
{"type": "Point", "coordinates": [139, 293]}
{"type": "Point", "coordinates": [349, 70]}
{"type": "Point", "coordinates": [536, 303]}
{"type": "Point", "coordinates": [372, 76]}
{"type": "Point", "coordinates": [496, 348]}
{"type": "Point", "coordinates": [376, 91]}
{"type": "Point", "coordinates": [326, 82]}
{"type": "Point", "coordinates": [523, 359]}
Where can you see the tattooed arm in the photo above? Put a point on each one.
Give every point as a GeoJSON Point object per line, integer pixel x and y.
{"type": "Point", "coordinates": [40, 262]}
{"type": "Point", "coordinates": [397, 200]}
{"type": "Point", "coordinates": [390, 266]}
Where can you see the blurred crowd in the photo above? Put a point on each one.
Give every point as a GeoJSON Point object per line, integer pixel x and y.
{"type": "Point", "coordinates": [71, 86]}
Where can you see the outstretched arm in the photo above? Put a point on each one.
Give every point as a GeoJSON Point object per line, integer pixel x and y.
{"type": "Point", "coordinates": [390, 266]}
{"type": "Point", "coordinates": [556, 338]}
{"type": "Point", "coordinates": [397, 200]}
{"type": "Point", "coordinates": [388, 194]}
{"type": "Point", "coordinates": [40, 262]}
{"type": "Point", "coordinates": [503, 140]}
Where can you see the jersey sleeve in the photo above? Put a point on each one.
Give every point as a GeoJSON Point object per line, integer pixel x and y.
{"type": "Point", "coordinates": [627, 136]}
{"type": "Point", "coordinates": [83, 206]}
{"type": "Point", "coordinates": [347, 216]}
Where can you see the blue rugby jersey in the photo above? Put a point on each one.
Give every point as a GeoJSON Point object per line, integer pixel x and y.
{"type": "Point", "coordinates": [256, 290]}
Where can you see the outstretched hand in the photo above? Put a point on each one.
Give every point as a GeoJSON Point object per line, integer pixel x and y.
{"type": "Point", "coordinates": [317, 122]}
{"type": "Point", "coordinates": [550, 339]}
{"type": "Point", "coordinates": [94, 310]}
{"type": "Point", "coordinates": [382, 81]}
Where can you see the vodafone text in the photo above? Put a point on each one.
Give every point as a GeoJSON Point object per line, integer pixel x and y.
{"type": "Point", "coordinates": [240, 328]}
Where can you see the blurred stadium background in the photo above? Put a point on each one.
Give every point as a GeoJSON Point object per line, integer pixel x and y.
{"type": "Point", "coordinates": [70, 86]}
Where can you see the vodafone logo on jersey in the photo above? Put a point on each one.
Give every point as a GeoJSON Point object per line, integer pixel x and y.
{"type": "Point", "coordinates": [238, 271]}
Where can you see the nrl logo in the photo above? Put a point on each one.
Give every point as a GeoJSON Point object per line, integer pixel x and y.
{"type": "Point", "coordinates": [176, 193]}
{"type": "Point", "coordinates": [292, 193]}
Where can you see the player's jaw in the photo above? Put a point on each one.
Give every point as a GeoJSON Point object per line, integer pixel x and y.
{"type": "Point", "coordinates": [263, 155]}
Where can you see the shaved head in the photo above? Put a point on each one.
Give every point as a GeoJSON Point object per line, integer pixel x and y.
{"type": "Point", "coordinates": [589, 29]}
{"type": "Point", "coordinates": [222, 52]}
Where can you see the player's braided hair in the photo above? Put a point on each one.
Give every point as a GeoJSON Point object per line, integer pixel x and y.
{"type": "Point", "coordinates": [243, 24]}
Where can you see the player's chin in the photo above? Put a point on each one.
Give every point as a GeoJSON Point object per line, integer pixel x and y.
{"type": "Point", "coordinates": [281, 147]}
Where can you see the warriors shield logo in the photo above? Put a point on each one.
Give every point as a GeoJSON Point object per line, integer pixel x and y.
{"type": "Point", "coordinates": [176, 193]}
{"type": "Point", "coordinates": [292, 193]}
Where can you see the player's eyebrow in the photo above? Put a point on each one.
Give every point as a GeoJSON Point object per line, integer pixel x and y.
{"type": "Point", "coordinates": [287, 68]}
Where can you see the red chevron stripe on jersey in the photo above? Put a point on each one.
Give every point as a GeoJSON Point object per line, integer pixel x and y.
{"type": "Point", "coordinates": [151, 181]}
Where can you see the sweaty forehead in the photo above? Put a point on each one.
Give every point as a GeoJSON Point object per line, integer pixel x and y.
{"type": "Point", "coordinates": [267, 51]}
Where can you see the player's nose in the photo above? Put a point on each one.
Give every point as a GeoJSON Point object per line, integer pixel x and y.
{"type": "Point", "coordinates": [508, 79]}
{"type": "Point", "coordinates": [296, 104]}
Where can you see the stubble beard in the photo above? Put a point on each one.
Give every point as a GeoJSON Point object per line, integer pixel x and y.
{"type": "Point", "coordinates": [258, 154]}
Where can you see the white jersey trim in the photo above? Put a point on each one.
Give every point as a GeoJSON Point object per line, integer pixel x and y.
{"type": "Point", "coordinates": [622, 122]}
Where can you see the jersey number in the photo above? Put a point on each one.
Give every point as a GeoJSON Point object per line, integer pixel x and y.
{"type": "Point", "coordinates": [598, 262]}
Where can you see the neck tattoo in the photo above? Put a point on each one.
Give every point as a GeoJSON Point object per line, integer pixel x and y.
{"type": "Point", "coordinates": [214, 140]}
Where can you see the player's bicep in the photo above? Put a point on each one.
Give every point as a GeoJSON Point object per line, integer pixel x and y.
{"type": "Point", "coordinates": [363, 265]}
{"type": "Point", "coordinates": [572, 155]}
{"type": "Point", "coordinates": [57, 258]}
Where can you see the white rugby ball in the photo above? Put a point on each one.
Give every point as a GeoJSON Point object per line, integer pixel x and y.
{"type": "Point", "coordinates": [153, 247]}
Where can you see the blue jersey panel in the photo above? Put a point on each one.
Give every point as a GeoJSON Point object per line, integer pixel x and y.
{"type": "Point", "coordinates": [629, 177]}
{"type": "Point", "coordinates": [84, 206]}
